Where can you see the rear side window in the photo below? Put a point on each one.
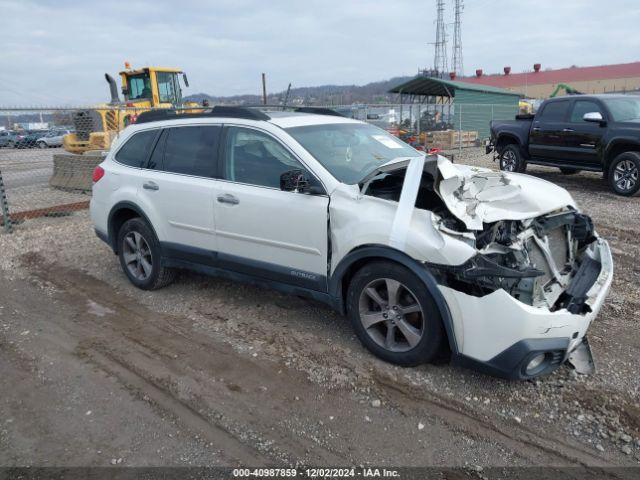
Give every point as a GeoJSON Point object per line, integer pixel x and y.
{"type": "Point", "coordinates": [192, 150]}
{"type": "Point", "coordinates": [136, 150]}
{"type": "Point", "coordinates": [584, 106]}
{"type": "Point", "coordinates": [555, 111]}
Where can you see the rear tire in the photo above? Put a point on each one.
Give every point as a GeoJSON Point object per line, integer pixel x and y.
{"type": "Point", "coordinates": [394, 315]}
{"type": "Point", "coordinates": [141, 257]}
{"type": "Point", "coordinates": [511, 159]}
{"type": "Point", "coordinates": [624, 173]}
{"type": "Point", "coordinates": [569, 171]}
{"type": "Point", "coordinates": [42, 145]}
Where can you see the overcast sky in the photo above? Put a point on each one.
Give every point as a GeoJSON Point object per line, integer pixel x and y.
{"type": "Point", "coordinates": [55, 52]}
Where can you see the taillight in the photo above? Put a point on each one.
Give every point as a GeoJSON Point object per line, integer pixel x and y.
{"type": "Point", "coordinates": [98, 173]}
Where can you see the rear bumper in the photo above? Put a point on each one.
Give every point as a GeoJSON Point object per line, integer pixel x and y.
{"type": "Point", "coordinates": [500, 335]}
{"type": "Point", "coordinates": [103, 236]}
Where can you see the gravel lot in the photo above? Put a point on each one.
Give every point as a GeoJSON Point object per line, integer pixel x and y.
{"type": "Point", "coordinates": [208, 372]}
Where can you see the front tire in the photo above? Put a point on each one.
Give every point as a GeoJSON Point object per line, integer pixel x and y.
{"type": "Point", "coordinates": [624, 172]}
{"type": "Point", "coordinates": [511, 159]}
{"type": "Point", "coordinates": [394, 315]}
{"type": "Point", "coordinates": [42, 145]}
{"type": "Point", "coordinates": [141, 257]}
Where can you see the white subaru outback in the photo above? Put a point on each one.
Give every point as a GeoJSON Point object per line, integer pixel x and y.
{"type": "Point", "coordinates": [424, 256]}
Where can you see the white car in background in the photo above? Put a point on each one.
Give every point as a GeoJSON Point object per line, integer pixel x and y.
{"type": "Point", "coordinates": [424, 256]}
{"type": "Point", "coordinates": [52, 139]}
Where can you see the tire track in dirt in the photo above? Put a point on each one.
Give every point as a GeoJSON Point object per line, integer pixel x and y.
{"type": "Point", "coordinates": [172, 366]}
{"type": "Point", "coordinates": [521, 439]}
{"type": "Point", "coordinates": [234, 450]}
{"type": "Point", "coordinates": [151, 357]}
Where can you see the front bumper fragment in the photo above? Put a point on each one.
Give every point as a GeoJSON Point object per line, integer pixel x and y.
{"type": "Point", "coordinates": [497, 333]}
{"type": "Point", "coordinates": [581, 358]}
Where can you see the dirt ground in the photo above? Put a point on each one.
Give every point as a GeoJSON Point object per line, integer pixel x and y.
{"type": "Point", "coordinates": [94, 372]}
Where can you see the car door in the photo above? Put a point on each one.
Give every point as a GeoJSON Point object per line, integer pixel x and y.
{"type": "Point", "coordinates": [262, 230]}
{"type": "Point", "coordinates": [177, 185]}
{"type": "Point", "coordinates": [583, 140]}
{"type": "Point", "coordinates": [546, 139]}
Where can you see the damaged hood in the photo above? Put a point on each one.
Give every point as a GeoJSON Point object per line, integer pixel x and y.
{"type": "Point", "coordinates": [479, 195]}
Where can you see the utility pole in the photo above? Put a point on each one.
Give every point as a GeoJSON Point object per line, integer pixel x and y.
{"type": "Point", "coordinates": [456, 60]}
{"type": "Point", "coordinates": [264, 89]}
{"type": "Point", "coordinates": [440, 55]}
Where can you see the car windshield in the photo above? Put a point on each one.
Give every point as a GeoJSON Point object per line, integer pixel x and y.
{"type": "Point", "coordinates": [349, 151]}
{"type": "Point", "coordinates": [624, 109]}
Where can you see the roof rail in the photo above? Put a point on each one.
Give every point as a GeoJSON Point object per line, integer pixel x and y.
{"type": "Point", "coordinates": [220, 111]}
{"type": "Point", "coordinates": [318, 111]}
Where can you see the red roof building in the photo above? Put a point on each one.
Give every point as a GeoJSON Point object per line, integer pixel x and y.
{"type": "Point", "coordinates": [623, 77]}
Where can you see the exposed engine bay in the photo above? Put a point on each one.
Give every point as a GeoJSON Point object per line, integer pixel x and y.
{"type": "Point", "coordinates": [542, 261]}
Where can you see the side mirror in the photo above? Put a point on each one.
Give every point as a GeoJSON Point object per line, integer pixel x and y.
{"type": "Point", "coordinates": [184, 79]}
{"type": "Point", "coordinates": [298, 181]}
{"type": "Point", "coordinates": [594, 117]}
{"type": "Point", "coordinates": [294, 181]}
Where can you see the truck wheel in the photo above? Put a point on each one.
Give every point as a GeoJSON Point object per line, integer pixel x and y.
{"type": "Point", "coordinates": [394, 315]}
{"type": "Point", "coordinates": [569, 171]}
{"type": "Point", "coordinates": [511, 159]}
{"type": "Point", "coordinates": [624, 172]}
{"type": "Point", "coordinates": [140, 256]}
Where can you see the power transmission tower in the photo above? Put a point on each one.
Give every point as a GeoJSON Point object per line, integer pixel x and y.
{"type": "Point", "coordinates": [456, 59]}
{"type": "Point", "coordinates": [440, 56]}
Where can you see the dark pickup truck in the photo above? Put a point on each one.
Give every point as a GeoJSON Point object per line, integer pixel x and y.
{"type": "Point", "coordinates": [583, 132]}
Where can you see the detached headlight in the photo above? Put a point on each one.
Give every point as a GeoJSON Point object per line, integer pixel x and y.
{"type": "Point", "coordinates": [482, 275]}
{"type": "Point", "coordinates": [483, 266]}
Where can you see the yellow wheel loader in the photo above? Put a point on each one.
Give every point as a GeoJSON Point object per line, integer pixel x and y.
{"type": "Point", "coordinates": [143, 89]}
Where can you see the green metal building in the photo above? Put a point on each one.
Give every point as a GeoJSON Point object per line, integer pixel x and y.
{"type": "Point", "coordinates": [467, 106]}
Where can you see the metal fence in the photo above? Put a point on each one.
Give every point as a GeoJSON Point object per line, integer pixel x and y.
{"type": "Point", "coordinates": [38, 178]}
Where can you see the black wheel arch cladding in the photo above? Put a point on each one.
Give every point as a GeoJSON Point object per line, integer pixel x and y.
{"type": "Point", "coordinates": [113, 221]}
{"type": "Point", "coordinates": [381, 252]}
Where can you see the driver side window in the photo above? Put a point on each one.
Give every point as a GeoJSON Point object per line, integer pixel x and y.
{"type": "Point", "coordinates": [256, 158]}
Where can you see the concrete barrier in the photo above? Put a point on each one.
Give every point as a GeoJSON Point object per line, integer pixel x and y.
{"type": "Point", "coordinates": [74, 172]}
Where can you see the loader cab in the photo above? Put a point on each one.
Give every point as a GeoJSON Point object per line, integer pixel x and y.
{"type": "Point", "coordinates": [152, 87]}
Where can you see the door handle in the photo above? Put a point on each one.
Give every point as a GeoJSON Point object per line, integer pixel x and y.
{"type": "Point", "coordinates": [228, 199]}
{"type": "Point", "coordinates": [536, 129]}
{"type": "Point", "coordinates": [150, 186]}
{"type": "Point", "coordinates": [568, 130]}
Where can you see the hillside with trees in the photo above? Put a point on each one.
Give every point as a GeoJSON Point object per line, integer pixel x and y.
{"type": "Point", "coordinates": [375, 92]}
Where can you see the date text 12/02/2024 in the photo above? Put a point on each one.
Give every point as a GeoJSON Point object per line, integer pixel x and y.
{"type": "Point", "coordinates": [316, 472]}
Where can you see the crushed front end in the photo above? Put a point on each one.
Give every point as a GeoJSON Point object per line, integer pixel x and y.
{"type": "Point", "coordinates": [525, 301]}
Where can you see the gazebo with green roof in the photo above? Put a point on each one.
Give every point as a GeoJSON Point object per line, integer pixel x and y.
{"type": "Point", "coordinates": [471, 106]}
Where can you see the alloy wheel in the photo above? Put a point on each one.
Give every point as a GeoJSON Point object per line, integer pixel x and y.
{"type": "Point", "coordinates": [625, 175]}
{"type": "Point", "coordinates": [509, 161]}
{"type": "Point", "coordinates": [391, 315]}
{"type": "Point", "coordinates": [137, 256]}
